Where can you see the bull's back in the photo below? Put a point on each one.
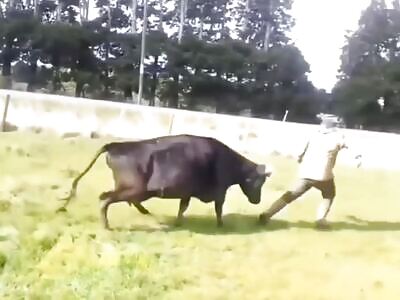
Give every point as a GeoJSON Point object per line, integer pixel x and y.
{"type": "Point", "coordinates": [182, 169]}
{"type": "Point", "coordinates": [181, 163]}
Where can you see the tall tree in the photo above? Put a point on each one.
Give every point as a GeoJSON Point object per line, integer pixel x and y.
{"type": "Point", "coordinates": [264, 23]}
{"type": "Point", "coordinates": [15, 30]}
{"type": "Point", "coordinates": [370, 70]}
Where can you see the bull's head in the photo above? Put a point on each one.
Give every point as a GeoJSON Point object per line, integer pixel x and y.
{"type": "Point", "coordinates": [252, 183]}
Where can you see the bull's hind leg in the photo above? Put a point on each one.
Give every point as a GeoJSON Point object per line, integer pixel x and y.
{"type": "Point", "coordinates": [140, 208]}
{"type": "Point", "coordinates": [103, 212]}
{"type": "Point", "coordinates": [113, 194]}
{"type": "Point", "coordinates": [183, 205]}
{"type": "Point", "coordinates": [119, 196]}
{"type": "Point", "coordinates": [106, 195]}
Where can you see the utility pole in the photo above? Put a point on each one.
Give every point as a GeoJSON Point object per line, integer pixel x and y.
{"type": "Point", "coordinates": [142, 53]}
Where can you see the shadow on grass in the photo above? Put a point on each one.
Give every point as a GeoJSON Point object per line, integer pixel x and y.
{"type": "Point", "coordinates": [248, 224]}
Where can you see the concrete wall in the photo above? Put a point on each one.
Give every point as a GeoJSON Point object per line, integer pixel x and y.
{"type": "Point", "coordinates": [69, 115]}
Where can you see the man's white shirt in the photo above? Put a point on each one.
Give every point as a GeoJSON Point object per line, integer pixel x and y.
{"type": "Point", "coordinates": [320, 157]}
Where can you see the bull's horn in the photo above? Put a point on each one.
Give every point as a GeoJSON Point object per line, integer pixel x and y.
{"type": "Point", "coordinates": [261, 169]}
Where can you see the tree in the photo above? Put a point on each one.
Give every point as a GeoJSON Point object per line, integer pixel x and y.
{"type": "Point", "coordinates": [66, 46]}
{"type": "Point", "coordinates": [201, 64]}
{"type": "Point", "coordinates": [15, 31]}
{"type": "Point", "coordinates": [370, 70]}
{"type": "Point", "coordinates": [264, 23]}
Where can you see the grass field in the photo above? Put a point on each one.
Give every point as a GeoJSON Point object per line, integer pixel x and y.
{"type": "Point", "coordinates": [49, 255]}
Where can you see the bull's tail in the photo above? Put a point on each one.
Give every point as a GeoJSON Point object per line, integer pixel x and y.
{"type": "Point", "coordinates": [72, 193]}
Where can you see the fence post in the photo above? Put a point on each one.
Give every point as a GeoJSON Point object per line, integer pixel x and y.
{"type": "Point", "coordinates": [5, 111]}
{"type": "Point", "coordinates": [171, 123]}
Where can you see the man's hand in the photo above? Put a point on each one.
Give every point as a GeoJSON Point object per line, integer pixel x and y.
{"type": "Point", "coordinates": [358, 157]}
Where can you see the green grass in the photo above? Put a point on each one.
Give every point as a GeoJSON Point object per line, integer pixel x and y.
{"type": "Point", "coordinates": [49, 255]}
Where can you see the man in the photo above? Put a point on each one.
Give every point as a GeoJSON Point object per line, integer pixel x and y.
{"type": "Point", "coordinates": [316, 170]}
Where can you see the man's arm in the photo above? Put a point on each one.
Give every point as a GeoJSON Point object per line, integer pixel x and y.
{"type": "Point", "coordinates": [357, 156]}
{"type": "Point", "coordinates": [300, 157]}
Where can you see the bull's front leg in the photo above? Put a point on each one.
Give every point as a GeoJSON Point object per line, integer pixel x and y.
{"type": "Point", "coordinates": [103, 212]}
{"type": "Point", "coordinates": [183, 205]}
{"type": "Point", "coordinates": [219, 203]}
{"type": "Point", "coordinates": [218, 211]}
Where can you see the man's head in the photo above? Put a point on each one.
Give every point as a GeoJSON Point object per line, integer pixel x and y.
{"type": "Point", "coordinates": [329, 122]}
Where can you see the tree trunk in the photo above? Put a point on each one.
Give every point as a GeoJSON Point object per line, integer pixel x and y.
{"type": "Point", "coordinates": [173, 101]}
{"type": "Point", "coordinates": [56, 83]}
{"type": "Point", "coordinates": [246, 18]}
{"type": "Point", "coordinates": [6, 81]}
{"type": "Point", "coordinates": [133, 22]}
{"type": "Point", "coordinates": [78, 89]}
{"type": "Point", "coordinates": [267, 37]}
{"type": "Point", "coordinates": [32, 75]}
{"type": "Point", "coordinates": [87, 2]}
{"type": "Point", "coordinates": [58, 11]}
{"type": "Point", "coordinates": [154, 82]}
{"type": "Point", "coordinates": [201, 22]}
{"type": "Point", "coordinates": [224, 33]}
{"type": "Point", "coordinates": [107, 52]}
{"type": "Point", "coordinates": [6, 70]}
{"type": "Point", "coordinates": [217, 99]}
{"type": "Point", "coordinates": [128, 93]}
{"type": "Point", "coordinates": [182, 19]}
{"type": "Point", "coordinates": [160, 16]}
{"type": "Point", "coordinates": [268, 27]}
{"type": "Point", "coordinates": [84, 10]}
{"type": "Point", "coordinates": [35, 8]}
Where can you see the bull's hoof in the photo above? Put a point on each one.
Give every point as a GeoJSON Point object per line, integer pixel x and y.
{"type": "Point", "coordinates": [146, 212]}
{"type": "Point", "coordinates": [61, 209]}
{"type": "Point", "coordinates": [263, 219]}
{"type": "Point", "coordinates": [104, 196]}
{"type": "Point", "coordinates": [178, 223]}
{"type": "Point", "coordinates": [65, 198]}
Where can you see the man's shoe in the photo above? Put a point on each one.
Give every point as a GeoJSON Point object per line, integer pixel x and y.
{"type": "Point", "coordinates": [322, 225]}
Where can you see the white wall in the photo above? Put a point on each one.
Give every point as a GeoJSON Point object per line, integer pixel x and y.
{"type": "Point", "coordinates": [65, 115]}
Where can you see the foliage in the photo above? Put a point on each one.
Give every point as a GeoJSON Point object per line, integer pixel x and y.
{"type": "Point", "coordinates": [371, 70]}
{"type": "Point", "coordinates": [208, 67]}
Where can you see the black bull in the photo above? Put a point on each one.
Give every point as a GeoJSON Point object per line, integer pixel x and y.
{"type": "Point", "coordinates": [180, 167]}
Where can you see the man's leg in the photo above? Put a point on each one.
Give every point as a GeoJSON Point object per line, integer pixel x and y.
{"type": "Point", "coordinates": [328, 191]}
{"type": "Point", "coordinates": [301, 187]}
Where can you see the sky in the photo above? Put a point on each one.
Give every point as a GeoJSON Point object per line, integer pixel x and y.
{"type": "Point", "coordinates": [319, 33]}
